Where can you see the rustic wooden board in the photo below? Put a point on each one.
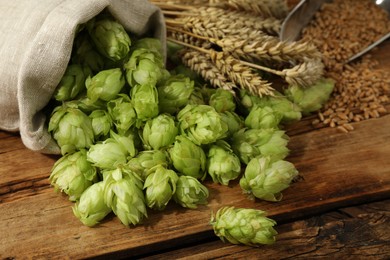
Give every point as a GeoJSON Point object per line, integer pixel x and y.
{"type": "Point", "coordinates": [337, 169]}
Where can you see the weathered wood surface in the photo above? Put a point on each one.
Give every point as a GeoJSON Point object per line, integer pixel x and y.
{"type": "Point", "coordinates": [360, 232]}
{"type": "Point", "coordinates": [336, 169]}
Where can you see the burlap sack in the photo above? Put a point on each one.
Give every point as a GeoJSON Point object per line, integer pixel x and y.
{"type": "Point", "coordinates": [35, 46]}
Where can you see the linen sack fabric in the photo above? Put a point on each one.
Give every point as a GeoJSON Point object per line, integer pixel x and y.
{"type": "Point", "coordinates": [36, 38]}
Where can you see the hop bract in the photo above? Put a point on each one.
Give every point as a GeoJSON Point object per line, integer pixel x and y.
{"type": "Point", "coordinates": [73, 174]}
{"type": "Point", "coordinates": [233, 121]}
{"type": "Point", "coordinates": [122, 111]}
{"type": "Point", "coordinates": [101, 123]}
{"type": "Point", "coordinates": [105, 85]}
{"type": "Point", "coordinates": [123, 194]}
{"type": "Point", "coordinates": [145, 101]}
{"type": "Point", "coordinates": [244, 226]}
{"type": "Point", "coordinates": [265, 178]}
{"type": "Point", "coordinates": [72, 82]}
{"type": "Point", "coordinates": [144, 66]}
{"type": "Point", "coordinates": [249, 143]}
{"type": "Point", "coordinates": [159, 132]}
{"type": "Point", "coordinates": [71, 128]}
{"type": "Point", "coordinates": [190, 192]}
{"type": "Point", "coordinates": [188, 158]}
{"type": "Point", "coordinates": [173, 94]}
{"type": "Point", "coordinates": [144, 161]}
{"type": "Point", "coordinates": [222, 100]}
{"type": "Point", "coordinates": [112, 152]}
{"type": "Point", "coordinates": [201, 124]}
{"type": "Point", "coordinates": [222, 164]}
{"type": "Point", "coordinates": [263, 117]}
{"type": "Point", "coordinates": [159, 187]}
{"type": "Point", "coordinates": [91, 208]}
{"type": "Point", "coordinates": [110, 38]}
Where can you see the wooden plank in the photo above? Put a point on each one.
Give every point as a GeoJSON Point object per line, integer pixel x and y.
{"type": "Point", "coordinates": [361, 232]}
{"type": "Point", "coordinates": [337, 169]}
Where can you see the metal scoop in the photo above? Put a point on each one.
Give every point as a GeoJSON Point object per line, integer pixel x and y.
{"type": "Point", "coordinates": [304, 11]}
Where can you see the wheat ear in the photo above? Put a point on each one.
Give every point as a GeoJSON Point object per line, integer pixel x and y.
{"type": "Point", "coordinates": [265, 47]}
{"type": "Point", "coordinates": [202, 64]}
{"type": "Point", "coordinates": [241, 74]}
{"type": "Point", "coordinates": [264, 8]}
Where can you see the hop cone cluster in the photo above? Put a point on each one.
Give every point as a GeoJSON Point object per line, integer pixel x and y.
{"type": "Point", "coordinates": [135, 136]}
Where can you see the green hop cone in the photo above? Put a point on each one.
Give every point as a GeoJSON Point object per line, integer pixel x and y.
{"type": "Point", "coordinates": [122, 111]}
{"type": "Point", "coordinates": [233, 121]}
{"type": "Point", "coordinates": [73, 174]}
{"type": "Point", "coordinates": [312, 98]}
{"type": "Point", "coordinates": [105, 85]}
{"type": "Point", "coordinates": [262, 117]}
{"type": "Point", "coordinates": [71, 128]}
{"type": "Point", "coordinates": [190, 192]}
{"type": "Point", "coordinates": [222, 164]}
{"type": "Point", "coordinates": [244, 226]}
{"type": "Point", "coordinates": [101, 123]}
{"type": "Point", "coordinates": [265, 178]}
{"type": "Point", "coordinates": [145, 66]}
{"type": "Point", "coordinates": [112, 152]}
{"type": "Point", "coordinates": [222, 100]}
{"type": "Point", "coordinates": [188, 158]}
{"type": "Point", "coordinates": [72, 82]}
{"type": "Point", "coordinates": [159, 187]}
{"type": "Point", "coordinates": [144, 161]}
{"type": "Point", "coordinates": [145, 101]}
{"type": "Point", "coordinates": [124, 195]}
{"type": "Point", "coordinates": [159, 132]}
{"type": "Point", "coordinates": [289, 111]}
{"type": "Point", "coordinates": [110, 38]}
{"type": "Point", "coordinates": [91, 208]}
{"type": "Point", "coordinates": [248, 101]}
{"type": "Point", "coordinates": [196, 97]}
{"type": "Point", "coordinates": [152, 44]}
{"type": "Point", "coordinates": [85, 53]}
{"type": "Point", "coordinates": [88, 106]}
{"type": "Point", "coordinates": [201, 124]}
{"type": "Point", "coordinates": [173, 94]}
{"type": "Point", "coordinates": [249, 143]}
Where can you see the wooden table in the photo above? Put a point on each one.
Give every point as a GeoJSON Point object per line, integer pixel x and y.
{"type": "Point", "coordinates": [338, 209]}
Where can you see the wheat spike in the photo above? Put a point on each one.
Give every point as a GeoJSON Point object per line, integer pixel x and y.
{"type": "Point", "coordinates": [241, 74]}
{"type": "Point", "coordinates": [202, 64]}
{"type": "Point", "coordinates": [304, 74]}
{"type": "Point", "coordinates": [270, 25]}
{"type": "Point", "coordinates": [189, 39]}
{"type": "Point", "coordinates": [265, 47]}
{"type": "Point", "coordinates": [264, 8]}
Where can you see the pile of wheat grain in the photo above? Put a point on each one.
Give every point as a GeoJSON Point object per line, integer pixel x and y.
{"type": "Point", "coordinates": [341, 29]}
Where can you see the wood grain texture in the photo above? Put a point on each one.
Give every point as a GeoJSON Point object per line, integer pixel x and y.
{"type": "Point", "coordinates": [360, 232]}
{"type": "Point", "coordinates": [336, 170]}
